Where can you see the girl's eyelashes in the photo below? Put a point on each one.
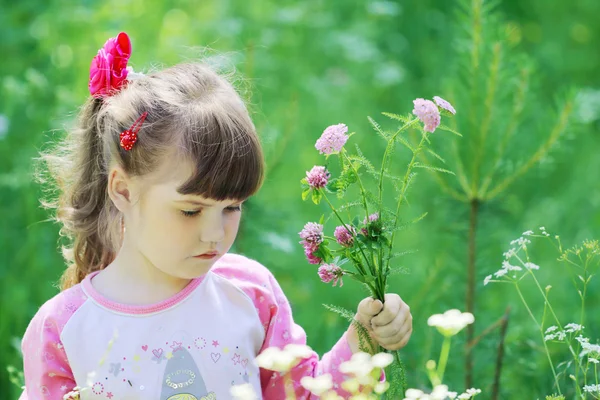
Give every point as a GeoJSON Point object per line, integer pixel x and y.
{"type": "Point", "coordinates": [190, 213]}
{"type": "Point", "coordinates": [196, 212]}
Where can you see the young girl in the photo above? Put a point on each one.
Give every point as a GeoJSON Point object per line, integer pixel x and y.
{"type": "Point", "coordinates": [153, 306]}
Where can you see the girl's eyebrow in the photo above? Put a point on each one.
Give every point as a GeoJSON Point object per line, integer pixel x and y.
{"type": "Point", "coordinates": [199, 203]}
{"type": "Point", "coordinates": [195, 202]}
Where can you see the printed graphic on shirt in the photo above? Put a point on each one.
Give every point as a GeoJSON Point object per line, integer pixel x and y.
{"type": "Point", "coordinates": [182, 379]}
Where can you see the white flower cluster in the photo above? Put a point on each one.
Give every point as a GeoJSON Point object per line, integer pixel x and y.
{"type": "Point", "coordinates": [451, 322]}
{"type": "Point", "coordinates": [318, 385]}
{"type": "Point", "coordinates": [440, 392]}
{"type": "Point", "coordinates": [552, 333]}
{"type": "Point", "coordinates": [592, 388]}
{"type": "Point", "coordinates": [362, 368]}
{"type": "Point", "coordinates": [243, 392]}
{"type": "Point", "coordinates": [364, 371]}
{"type": "Point", "coordinates": [591, 350]}
{"type": "Point", "coordinates": [283, 360]}
{"type": "Point", "coordinates": [518, 245]}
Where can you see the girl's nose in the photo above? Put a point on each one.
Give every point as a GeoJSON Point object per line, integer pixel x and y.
{"type": "Point", "coordinates": [212, 230]}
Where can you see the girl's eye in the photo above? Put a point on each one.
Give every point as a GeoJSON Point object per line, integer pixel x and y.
{"type": "Point", "coordinates": [190, 213]}
{"type": "Point", "coordinates": [196, 212]}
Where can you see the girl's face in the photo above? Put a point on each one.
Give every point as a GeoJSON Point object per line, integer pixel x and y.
{"type": "Point", "coordinates": [170, 230]}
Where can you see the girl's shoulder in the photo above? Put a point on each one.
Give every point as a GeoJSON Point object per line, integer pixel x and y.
{"type": "Point", "coordinates": [241, 268]}
{"type": "Point", "coordinates": [247, 274]}
{"type": "Point", "coordinates": [54, 314]}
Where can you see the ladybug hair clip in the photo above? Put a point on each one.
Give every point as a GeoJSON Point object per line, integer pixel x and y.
{"type": "Point", "coordinates": [129, 136]}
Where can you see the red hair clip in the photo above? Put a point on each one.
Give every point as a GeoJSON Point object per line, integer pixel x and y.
{"type": "Point", "coordinates": [129, 136]}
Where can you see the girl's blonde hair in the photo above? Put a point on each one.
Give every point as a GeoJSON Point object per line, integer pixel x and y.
{"type": "Point", "coordinates": [194, 114]}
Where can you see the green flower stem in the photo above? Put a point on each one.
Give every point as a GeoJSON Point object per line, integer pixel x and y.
{"type": "Point", "coordinates": [402, 194]}
{"type": "Point", "coordinates": [381, 173]}
{"type": "Point", "coordinates": [374, 290]}
{"type": "Point", "coordinates": [371, 268]}
{"type": "Point", "coordinates": [577, 361]}
{"type": "Point", "coordinates": [385, 155]}
{"type": "Point", "coordinates": [542, 334]}
{"type": "Point", "coordinates": [362, 188]}
{"type": "Point", "coordinates": [378, 277]}
{"type": "Point", "coordinates": [443, 358]}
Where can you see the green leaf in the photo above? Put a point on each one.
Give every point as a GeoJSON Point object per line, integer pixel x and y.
{"type": "Point", "coordinates": [448, 129]}
{"type": "Point", "coordinates": [396, 117]}
{"type": "Point", "coordinates": [396, 376]}
{"type": "Point", "coordinates": [305, 194]}
{"type": "Point", "coordinates": [365, 344]}
{"type": "Point", "coordinates": [364, 278]}
{"type": "Point", "coordinates": [431, 168]}
{"type": "Point", "coordinates": [316, 196]}
{"type": "Point", "coordinates": [322, 219]}
{"type": "Point", "coordinates": [403, 140]}
{"type": "Point", "coordinates": [378, 129]}
{"type": "Point", "coordinates": [436, 155]}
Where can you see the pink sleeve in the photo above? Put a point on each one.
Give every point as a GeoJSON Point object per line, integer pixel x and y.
{"type": "Point", "coordinates": [276, 316]}
{"type": "Point", "coordinates": [47, 372]}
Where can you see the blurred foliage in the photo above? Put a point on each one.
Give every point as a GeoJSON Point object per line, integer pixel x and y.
{"type": "Point", "coordinates": [304, 66]}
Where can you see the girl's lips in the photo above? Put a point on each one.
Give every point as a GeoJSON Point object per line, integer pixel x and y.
{"type": "Point", "coordinates": [206, 255]}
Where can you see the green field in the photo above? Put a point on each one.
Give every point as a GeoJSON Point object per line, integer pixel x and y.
{"type": "Point", "coordinates": [523, 76]}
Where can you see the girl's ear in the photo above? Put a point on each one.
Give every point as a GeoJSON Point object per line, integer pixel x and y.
{"type": "Point", "coordinates": [120, 188]}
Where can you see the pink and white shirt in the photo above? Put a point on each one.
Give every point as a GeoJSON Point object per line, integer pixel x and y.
{"type": "Point", "coordinates": [195, 345]}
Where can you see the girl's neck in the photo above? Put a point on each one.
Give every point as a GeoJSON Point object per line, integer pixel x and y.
{"type": "Point", "coordinates": [131, 279]}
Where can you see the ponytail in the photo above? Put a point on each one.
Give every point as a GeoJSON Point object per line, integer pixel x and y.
{"type": "Point", "coordinates": [89, 218]}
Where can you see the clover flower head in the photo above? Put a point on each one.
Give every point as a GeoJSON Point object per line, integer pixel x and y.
{"type": "Point", "coordinates": [312, 233]}
{"type": "Point", "coordinates": [331, 272]}
{"type": "Point", "coordinates": [309, 252]}
{"type": "Point", "coordinates": [428, 113]}
{"type": "Point", "coordinates": [441, 103]}
{"type": "Point", "coordinates": [343, 236]}
{"type": "Point", "coordinates": [318, 177]}
{"type": "Point", "coordinates": [333, 139]}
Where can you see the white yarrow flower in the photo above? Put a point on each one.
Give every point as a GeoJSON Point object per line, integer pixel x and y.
{"type": "Point", "coordinates": [591, 388]}
{"type": "Point", "coordinates": [359, 365]}
{"type": "Point", "coordinates": [278, 360]}
{"type": "Point", "coordinates": [469, 393]}
{"type": "Point", "coordinates": [551, 329]}
{"type": "Point", "coordinates": [573, 327]}
{"type": "Point", "coordinates": [487, 279]}
{"type": "Point", "coordinates": [382, 360]}
{"type": "Point", "coordinates": [451, 322]}
{"type": "Point", "coordinates": [243, 392]}
{"type": "Point", "coordinates": [318, 385]}
{"type": "Point", "coordinates": [413, 394]}
{"type": "Point", "coordinates": [530, 265]}
{"type": "Point", "coordinates": [549, 337]}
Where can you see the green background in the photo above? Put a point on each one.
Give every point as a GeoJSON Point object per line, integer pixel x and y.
{"type": "Point", "coordinates": [305, 65]}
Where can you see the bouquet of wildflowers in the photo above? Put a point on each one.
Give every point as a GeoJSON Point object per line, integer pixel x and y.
{"type": "Point", "coordinates": [364, 235]}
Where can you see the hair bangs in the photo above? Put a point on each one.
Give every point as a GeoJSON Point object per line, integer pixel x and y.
{"type": "Point", "coordinates": [227, 156]}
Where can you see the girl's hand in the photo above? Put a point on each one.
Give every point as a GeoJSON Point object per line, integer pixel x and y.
{"type": "Point", "coordinates": [389, 324]}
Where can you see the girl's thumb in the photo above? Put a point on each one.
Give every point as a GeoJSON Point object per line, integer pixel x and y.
{"type": "Point", "coordinates": [370, 307]}
{"type": "Point", "coordinates": [376, 307]}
